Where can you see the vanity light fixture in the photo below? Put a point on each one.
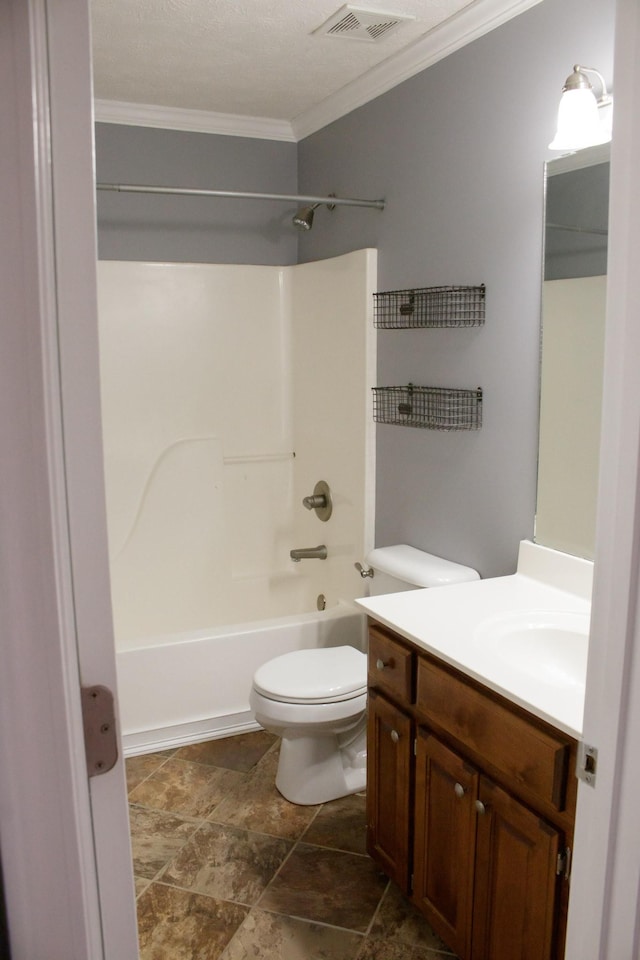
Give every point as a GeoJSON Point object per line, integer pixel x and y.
{"type": "Point", "coordinates": [583, 120]}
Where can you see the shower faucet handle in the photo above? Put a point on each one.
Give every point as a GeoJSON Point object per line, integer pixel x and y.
{"type": "Point", "coordinates": [319, 500]}
{"type": "Point", "coordinates": [315, 502]}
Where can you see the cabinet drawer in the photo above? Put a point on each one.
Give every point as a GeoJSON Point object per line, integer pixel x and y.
{"type": "Point", "coordinates": [390, 666]}
{"type": "Point", "coordinates": [526, 754]}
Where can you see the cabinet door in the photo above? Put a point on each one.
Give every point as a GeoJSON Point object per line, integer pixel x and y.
{"type": "Point", "coordinates": [444, 845]}
{"type": "Point", "coordinates": [515, 885]}
{"type": "Point", "coordinates": [389, 788]}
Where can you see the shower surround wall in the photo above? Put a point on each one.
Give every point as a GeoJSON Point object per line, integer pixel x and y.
{"type": "Point", "coordinates": [228, 391]}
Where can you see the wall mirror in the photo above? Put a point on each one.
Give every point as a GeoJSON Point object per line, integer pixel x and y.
{"type": "Point", "coordinates": [573, 315]}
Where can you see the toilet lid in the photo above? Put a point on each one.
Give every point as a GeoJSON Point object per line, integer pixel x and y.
{"type": "Point", "coordinates": [323, 675]}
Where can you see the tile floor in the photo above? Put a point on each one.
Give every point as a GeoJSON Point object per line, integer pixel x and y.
{"type": "Point", "coordinates": [227, 869]}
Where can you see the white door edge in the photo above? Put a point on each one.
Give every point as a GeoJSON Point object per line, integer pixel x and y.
{"type": "Point", "coordinates": [71, 100]}
{"type": "Point", "coordinates": [64, 839]}
{"type": "Point", "coordinates": [603, 908]}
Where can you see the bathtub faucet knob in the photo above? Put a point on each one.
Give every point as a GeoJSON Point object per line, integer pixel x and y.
{"type": "Point", "coordinates": [319, 500]}
{"type": "Point", "coordinates": [314, 502]}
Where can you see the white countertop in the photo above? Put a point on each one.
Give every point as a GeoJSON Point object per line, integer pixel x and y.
{"type": "Point", "coordinates": [449, 622]}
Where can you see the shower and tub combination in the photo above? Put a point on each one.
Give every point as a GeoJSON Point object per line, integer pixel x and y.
{"type": "Point", "coordinates": [223, 411]}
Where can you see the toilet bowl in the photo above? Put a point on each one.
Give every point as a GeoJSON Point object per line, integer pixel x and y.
{"type": "Point", "coordinates": [315, 700]}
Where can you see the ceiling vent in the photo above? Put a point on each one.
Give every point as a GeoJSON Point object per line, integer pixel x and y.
{"type": "Point", "coordinates": [356, 23]}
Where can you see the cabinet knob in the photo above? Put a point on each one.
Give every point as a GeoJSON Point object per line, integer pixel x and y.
{"type": "Point", "coordinates": [459, 791]}
{"type": "Point", "coordinates": [480, 808]}
{"type": "Point", "coordinates": [395, 736]}
{"type": "Point", "coordinates": [381, 664]}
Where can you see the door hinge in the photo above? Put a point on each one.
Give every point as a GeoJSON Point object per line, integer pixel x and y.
{"type": "Point", "coordinates": [99, 722]}
{"type": "Point", "coordinates": [415, 747]}
{"type": "Point", "coordinates": [563, 863]}
{"type": "Point", "coordinates": [587, 763]}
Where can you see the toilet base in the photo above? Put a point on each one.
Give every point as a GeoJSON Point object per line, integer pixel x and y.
{"type": "Point", "coordinates": [321, 768]}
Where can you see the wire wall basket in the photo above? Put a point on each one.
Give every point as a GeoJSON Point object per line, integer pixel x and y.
{"type": "Point", "coordinates": [429, 307]}
{"type": "Point", "coordinates": [435, 408]}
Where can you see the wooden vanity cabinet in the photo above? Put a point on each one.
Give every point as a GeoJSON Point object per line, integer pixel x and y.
{"type": "Point", "coordinates": [444, 839]}
{"type": "Point", "coordinates": [470, 805]}
{"type": "Point", "coordinates": [389, 764]}
{"type": "Point", "coordinates": [516, 879]}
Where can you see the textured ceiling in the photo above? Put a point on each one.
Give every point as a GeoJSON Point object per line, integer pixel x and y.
{"type": "Point", "coordinates": [255, 58]}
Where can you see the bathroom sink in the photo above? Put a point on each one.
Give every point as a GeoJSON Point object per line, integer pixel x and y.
{"type": "Point", "coordinates": [547, 646]}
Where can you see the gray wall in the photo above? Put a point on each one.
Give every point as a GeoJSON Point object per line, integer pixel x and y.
{"type": "Point", "coordinates": [178, 229]}
{"type": "Point", "coordinates": [458, 153]}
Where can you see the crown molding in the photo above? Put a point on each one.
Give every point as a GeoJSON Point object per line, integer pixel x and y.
{"type": "Point", "coordinates": [475, 20]}
{"type": "Point", "coordinates": [195, 121]}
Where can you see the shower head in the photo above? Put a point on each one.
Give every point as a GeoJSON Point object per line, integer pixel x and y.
{"type": "Point", "coordinates": [304, 217]}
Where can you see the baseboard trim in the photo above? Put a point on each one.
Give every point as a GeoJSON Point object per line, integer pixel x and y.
{"type": "Point", "coordinates": [183, 734]}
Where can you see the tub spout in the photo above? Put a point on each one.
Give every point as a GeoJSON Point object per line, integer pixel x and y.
{"type": "Point", "coordinates": [309, 553]}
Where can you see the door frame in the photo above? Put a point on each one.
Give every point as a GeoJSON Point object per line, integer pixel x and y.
{"type": "Point", "coordinates": [64, 838]}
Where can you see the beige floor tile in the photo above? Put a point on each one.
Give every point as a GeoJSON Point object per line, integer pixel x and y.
{"type": "Point", "coordinates": [256, 805]}
{"type": "Point", "coordinates": [340, 824]}
{"type": "Point", "coordinates": [235, 753]}
{"type": "Point", "coordinates": [139, 768]}
{"type": "Point", "coordinates": [272, 937]}
{"type": "Point", "coordinates": [264, 811]}
{"type": "Point", "coordinates": [326, 886]}
{"type": "Point", "coordinates": [156, 837]}
{"type": "Point", "coordinates": [211, 836]}
{"type": "Point", "coordinates": [186, 788]}
{"type": "Point", "coordinates": [398, 921]}
{"type": "Point", "coordinates": [178, 925]}
{"type": "Point", "coordinates": [384, 950]}
{"type": "Point", "coordinates": [141, 884]}
{"type": "Point", "coordinates": [227, 863]}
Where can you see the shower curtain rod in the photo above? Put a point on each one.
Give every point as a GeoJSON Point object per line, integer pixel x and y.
{"type": "Point", "coordinates": [238, 195]}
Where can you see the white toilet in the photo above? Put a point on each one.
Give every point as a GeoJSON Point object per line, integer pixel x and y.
{"type": "Point", "coordinates": [315, 700]}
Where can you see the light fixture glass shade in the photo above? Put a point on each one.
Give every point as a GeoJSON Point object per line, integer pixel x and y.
{"type": "Point", "coordinates": [579, 122]}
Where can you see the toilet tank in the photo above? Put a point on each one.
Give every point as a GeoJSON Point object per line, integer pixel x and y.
{"type": "Point", "coordinates": [402, 567]}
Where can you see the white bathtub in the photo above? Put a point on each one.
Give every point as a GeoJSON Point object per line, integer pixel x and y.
{"type": "Point", "coordinates": [184, 688]}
